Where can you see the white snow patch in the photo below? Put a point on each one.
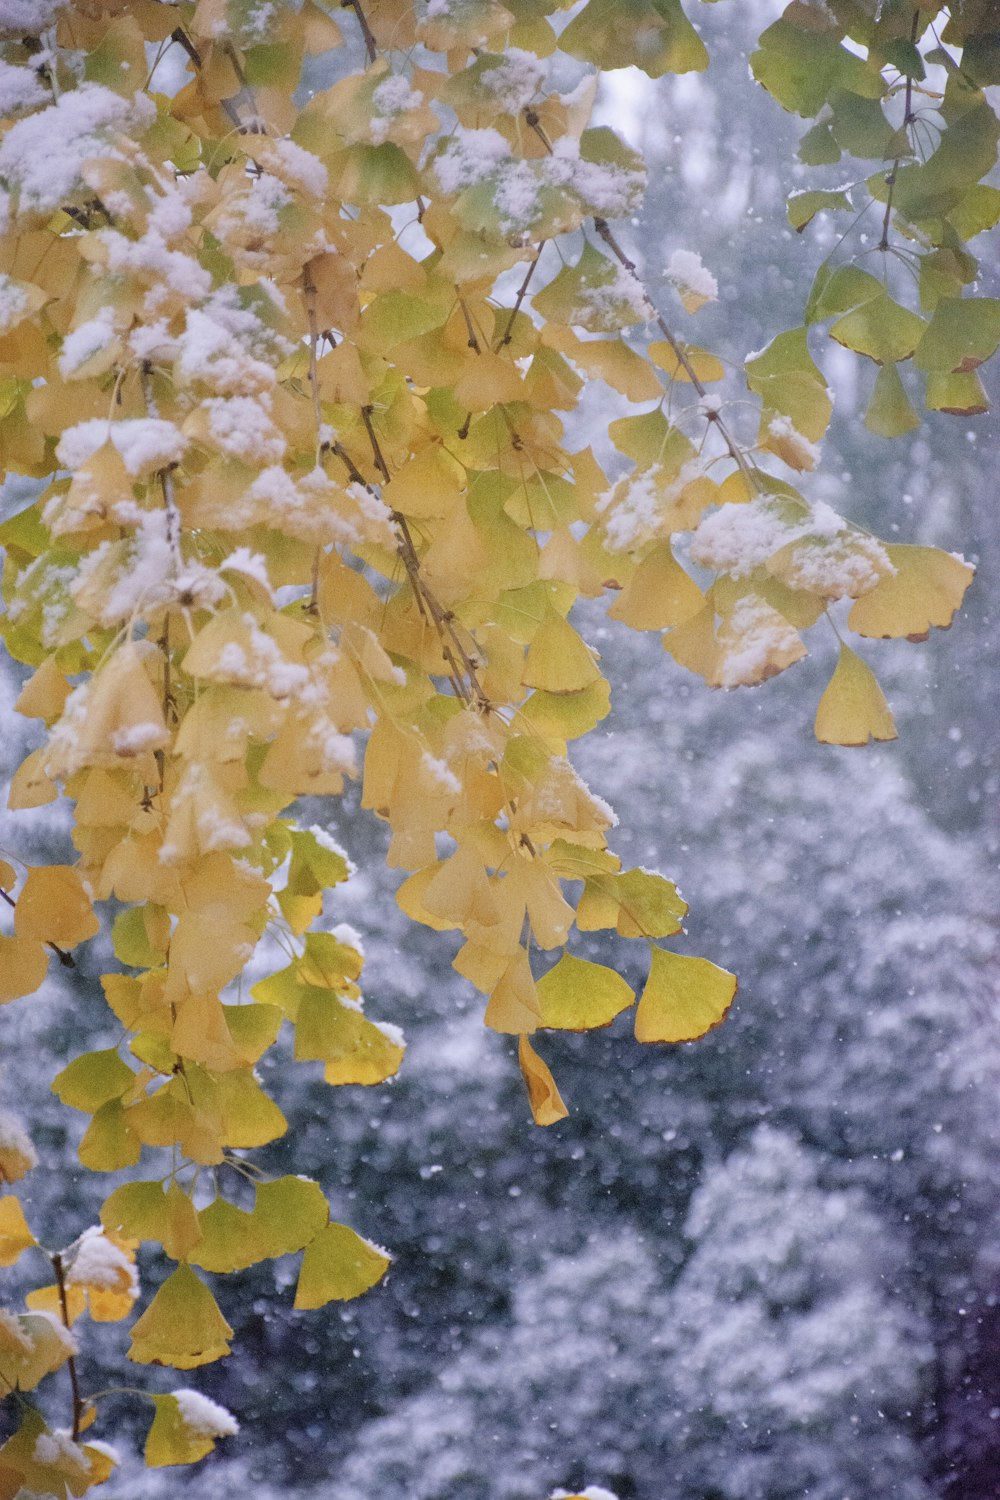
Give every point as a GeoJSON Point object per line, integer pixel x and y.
{"type": "Point", "coordinates": [144, 443]}
{"type": "Point", "coordinates": [83, 123]}
{"type": "Point", "coordinates": [19, 87]}
{"type": "Point", "coordinates": [98, 1262]}
{"type": "Point", "coordinates": [203, 1417]}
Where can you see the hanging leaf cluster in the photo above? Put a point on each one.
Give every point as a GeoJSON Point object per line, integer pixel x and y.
{"type": "Point", "coordinates": [295, 364]}
{"type": "Point", "coordinates": [898, 103]}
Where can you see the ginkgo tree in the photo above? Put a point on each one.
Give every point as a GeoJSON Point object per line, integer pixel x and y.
{"type": "Point", "coordinates": [293, 348]}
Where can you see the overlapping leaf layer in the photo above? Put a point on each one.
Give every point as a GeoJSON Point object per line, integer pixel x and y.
{"type": "Point", "coordinates": [297, 368]}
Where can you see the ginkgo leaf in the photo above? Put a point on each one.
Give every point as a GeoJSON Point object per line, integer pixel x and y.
{"type": "Point", "coordinates": [354, 1049]}
{"type": "Point", "coordinates": [289, 1213]}
{"type": "Point", "coordinates": [24, 965]}
{"type": "Point", "coordinates": [577, 995]}
{"type": "Point", "coordinates": [926, 589]}
{"type": "Point", "coordinates": [182, 1326]}
{"type": "Point", "coordinates": [683, 998]}
{"type": "Point", "coordinates": [546, 1102]}
{"type": "Point", "coordinates": [683, 360]}
{"type": "Point", "coordinates": [338, 1265]}
{"type": "Point", "coordinates": [962, 334]}
{"type": "Point", "coordinates": [140, 936]}
{"type": "Point", "coordinates": [558, 660]}
{"type": "Point", "coordinates": [962, 395]}
{"type": "Point", "coordinates": [37, 1345]}
{"type": "Point", "coordinates": [44, 694]}
{"type": "Point", "coordinates": [15, 1235]}
{"type": "Point", "coordinates": [514, 1007]}
{"type": "Point", "coordinates": [53, 907]}
{"type": "Point", "coordinates": [145, 1211]}
{"type": "Point", "coordinates": [185, 1428]}
{"type": "Point", "coordinates": [882, 329]}
{"type": "Point", "coordinates": [566, 716]}
{"type": "Point", "coordinates": [659, 595]}
{"type": "Point", "coordinates": [656, 37]}
{"type": "Point", "coordinates": [90, 1081]}
{"type": "Point", "coordinates": [110, 1143]}
{"type": "Point", "coordinates": [649, 905]}
{"type": "Point", "coordinates": [853, 709]}
{"type": "Point", "coordinates": [890, 413]}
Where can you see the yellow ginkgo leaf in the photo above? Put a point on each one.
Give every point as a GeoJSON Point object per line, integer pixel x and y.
{"type": "Point", "coordinates": [577, 995]}
{"type": "Point", "coordinates": [707, 367]}
{"type": "Point", "coordinates": [853, 709]}
{"type": "Point", "coordinates": [24, 964]}
{"type": "Point", "coordinates": [44, 694]}
{"type": "Point", "coordinates": [30, 785]}
{"type": "Point", "coordinates": [659, 595]}
{"type": "Point", "coordinates": [116, 719]}
{"type": "Point", "coordinates": [15, 1235]}
{"type": "Point", "coordinates": [926, 589]}
{"type": "Point", "coordinates": [143, 1211]}
{"type": "Point", "coordinates": [337, 1266]}
{"type": "Point", "coordinates": [558, 660]}
{"type": "Point", "coordinates": [53, 907]}
{"type": "Point", "coordinates": [185, 1429]}
{"type": "Point", "coordinates": [32, 1348]}
{"type": "Point", "coordinates": [546, 1102]}
{"type": "Point", "coordinates": [684, 997]}
{"type": "Point", "coordinates": [49, 1299]}
{"type": "Point", "coordinates": [182, 1326]}
{"type": "Point", "coordinates": [514, 1007]}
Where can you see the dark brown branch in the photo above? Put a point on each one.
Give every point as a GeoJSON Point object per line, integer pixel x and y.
{"type": "Point", "coordinates": [74, 1380]}
{"type": "Point", "coordinates": [366, 31]}
{"type": "Point", "coordinates": [380, 463]}
{"type": "Point", "coordinates": [522, 292]}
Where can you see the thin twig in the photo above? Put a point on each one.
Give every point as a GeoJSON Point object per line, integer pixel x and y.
{"type": "Point", "coordinates": [473, 341]}
{"type": "Point", "coordinates": [309, 290]}
{"type": "Point", "coordinates": [78, 1401]}
{"type": "Point", "coordinates": [522, 292]}
{"type": "Point", "coordinates": [890, 177]}
{"type": "Point", "coordinates": [180, 36]}
{"type": "Point", "coordinates": [380, 463]}
{"type": "Point", "coordinates": [370, 45]}
{"type": "Point", "coordinates": [736, 453]}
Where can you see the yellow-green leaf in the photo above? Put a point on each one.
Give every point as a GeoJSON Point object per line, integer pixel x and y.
{"type": "Point", "coordinates": [337, 1266]}
{"type": "Point", "coordinates": [92, 1080]}
{"type": "Point", "coordinates": [182, 1326]}
{"type": "Point", "coordinates": [143, 1211]}
{"type": "Point", "coordinates": [577, 995]}
{"type": "Point", "coordinates": [926, 589]}
{"type": "Point", "coordinates": [683, 999]}
{"type": "Point", "coordinates": [853, 709]}
{"type": "Point", "coordinates": [889, 412]}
